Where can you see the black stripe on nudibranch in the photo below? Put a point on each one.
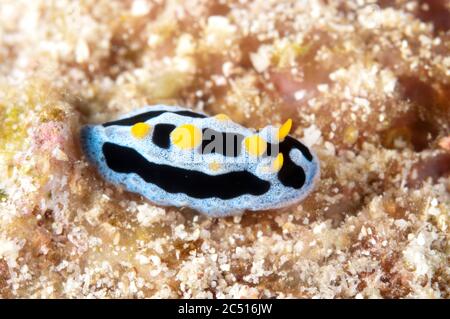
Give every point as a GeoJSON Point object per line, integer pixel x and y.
{"type": "Point", "coordinates": [190, 114]}
{"type": "Point", "coordinates": [161, 134]}
{"type": "Point", "coordinates": [291, 174]}
{"type": "Point", "coordinates": [171, 179]}
{"type": "Point", "coordinates": [291, 143]}
{"type": "Point", "coordinates": [142, 117]}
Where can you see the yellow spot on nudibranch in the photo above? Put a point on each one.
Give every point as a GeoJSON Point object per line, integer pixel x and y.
{"type": "Point", "coordinates": [140, 130]}
{"type": "Point", "coordinates": [255, 145]}
{"type": "Point", "coordinates": [284, 130]}
{"type": "Point", "coordinates": [214, 166]}
{"type": "Point", "coordinates": [278, 162]}
{"type": "Point", "coordinates": [186, 136]}
{"type": "Point", "coordinates": [221, 117]}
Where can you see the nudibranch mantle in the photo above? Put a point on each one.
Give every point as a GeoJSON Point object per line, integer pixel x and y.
{"type": "Point", "coordinates": [174, 157]}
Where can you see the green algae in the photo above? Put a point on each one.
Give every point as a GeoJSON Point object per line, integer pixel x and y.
{"type": "Point", "coordinates": [3, 195]}
{"type": "Point", "coordinates": [14, 131]}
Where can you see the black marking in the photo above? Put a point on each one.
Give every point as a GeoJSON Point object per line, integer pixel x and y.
{"type": "Point", "coordinates": [129, 121]}
{"type": "Point", "coordinates": [293, 143]}
{"type": "Point", "coordinates": [178, 180]}
{"type": "Point", "coordinates": [161, 135]}
{"type": "Point", "coordinates": [291, 174]}
{"type": "Point", "coordinates": [190, 114]}
{"type": "Point", "coordinates": [227, 144]}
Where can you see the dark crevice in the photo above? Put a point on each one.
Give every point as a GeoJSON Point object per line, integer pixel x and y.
{"type": "Point", "coordinates": [435, 12]}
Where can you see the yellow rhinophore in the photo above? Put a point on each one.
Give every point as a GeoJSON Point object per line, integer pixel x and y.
{"type": "Point", "coordinates": [284, 130]}
{"type": "Point", "coordinates": [186, 136]}
{"type": "Point", "coordinates": [140, 130]}
{"type": "Point", "coordinates": [221, 117]}
{"type": "Point", "coordinates": [255, 145]}
{"type": "Point", "coordinates": [278, 162]}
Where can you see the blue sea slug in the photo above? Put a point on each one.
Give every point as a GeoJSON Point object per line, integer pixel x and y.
{"type": "Point", "coordinates": [176, 157]}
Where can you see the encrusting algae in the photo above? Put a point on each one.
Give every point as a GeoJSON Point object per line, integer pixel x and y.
{"type": "Point", "coordinates": [366, 84]}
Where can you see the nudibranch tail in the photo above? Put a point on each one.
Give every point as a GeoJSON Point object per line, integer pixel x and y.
{"type": "Point", "coordinates": [176, 157]}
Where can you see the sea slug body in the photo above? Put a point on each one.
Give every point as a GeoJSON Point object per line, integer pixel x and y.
{"type": "Point", "coordinates": [176, 157]}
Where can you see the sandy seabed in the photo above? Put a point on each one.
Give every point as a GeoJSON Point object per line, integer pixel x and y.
{"type": "Point", "coordinates": [367, 84]}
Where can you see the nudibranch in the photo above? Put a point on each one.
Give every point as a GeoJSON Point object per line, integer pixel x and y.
{"type": "Point", "coordinates": [176, 157]}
